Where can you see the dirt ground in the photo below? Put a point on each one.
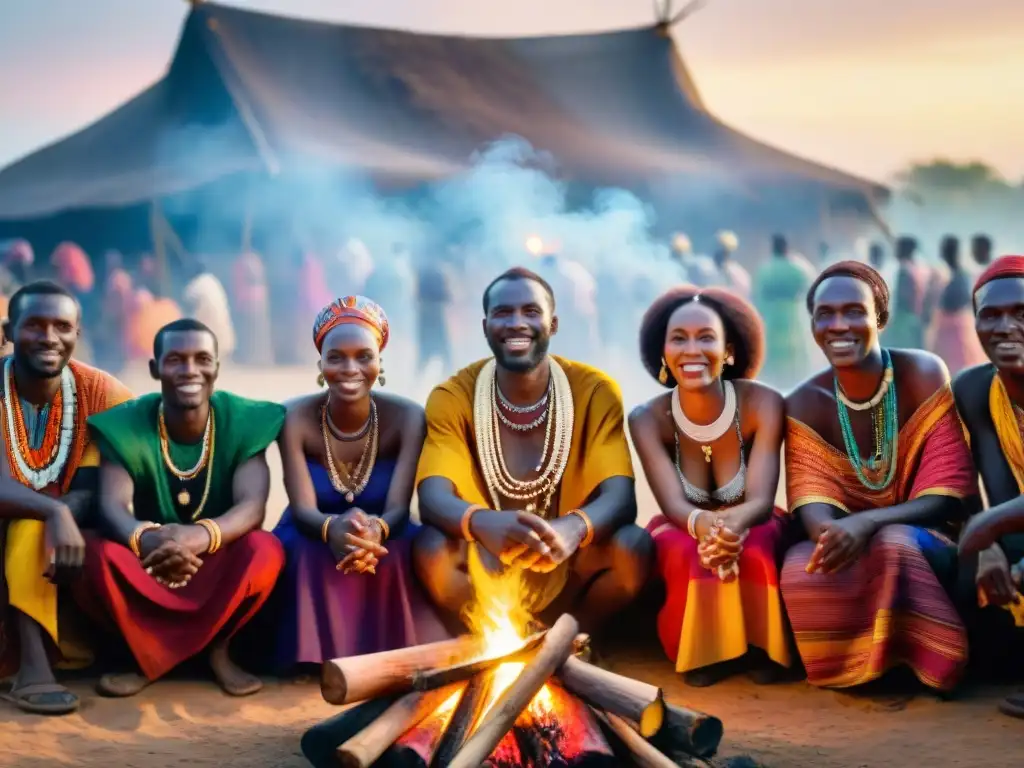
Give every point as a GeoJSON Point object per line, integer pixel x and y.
{"type": "Point", "coordinates": [181, 722]}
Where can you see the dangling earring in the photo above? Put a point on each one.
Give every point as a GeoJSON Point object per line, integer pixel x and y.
{"type": "Point", "coordinates": [663, 373]}
{"type": "Point", "coordinates": [730, 360]}
{"type": "Point", "coordinates": [380, 377]}
{"type": "Point", "coordinates": [320, 379]}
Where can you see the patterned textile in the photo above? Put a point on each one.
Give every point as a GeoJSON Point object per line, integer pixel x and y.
{"type": "Point", "coordinates": [889, 607]}
{"type": "Point", "coordinates": [352, 309]}
{"type": "Point", "coordinates": [706, 621]}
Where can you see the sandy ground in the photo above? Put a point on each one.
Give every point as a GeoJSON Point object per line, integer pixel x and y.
{"type": "Point", "coordinates": [181, 722]}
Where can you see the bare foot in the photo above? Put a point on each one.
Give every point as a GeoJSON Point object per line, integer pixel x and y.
{"type": "Point", "coordinates": [233, 679]}
{"type": "Point", "coordinates": [122, 685]}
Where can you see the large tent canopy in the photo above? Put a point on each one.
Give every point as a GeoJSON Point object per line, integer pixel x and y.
{"type": "Point", "coordinates": [259, 93]}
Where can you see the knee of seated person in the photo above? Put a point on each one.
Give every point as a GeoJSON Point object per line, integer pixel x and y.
{"type": "Point", "coordinates": [632, 554]}
{"type": "Point", "coordinates": [432, 559]}
{"type": "Point", "coordinates": [895, 534]}
{"type": "Point", "coordinates": [264, 548]}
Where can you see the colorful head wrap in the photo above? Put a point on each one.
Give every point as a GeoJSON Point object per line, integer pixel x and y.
{"type": "Point", "coordinates": [351, 309]}
{"type": "Point", "coordinates": [18, 252]}
{"type": "Point", "coordinates": [1004, 266]}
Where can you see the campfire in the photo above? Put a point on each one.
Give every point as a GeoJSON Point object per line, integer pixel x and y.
{"type": "Point", "coordinates": [505, 697]}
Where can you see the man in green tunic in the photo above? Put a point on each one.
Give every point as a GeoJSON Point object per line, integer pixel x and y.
{"type": "Point", "coordinates": [184, 481]}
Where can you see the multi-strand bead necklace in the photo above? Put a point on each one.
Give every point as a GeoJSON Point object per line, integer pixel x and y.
{"type": "Point", "coordinates": [350, 484]}
{"type": "Point", "coordinates": [885, 426]}
{"type": "Point", "coordinates": [558, 413]}
{"type": "Point", "coordinates": [45, 466]}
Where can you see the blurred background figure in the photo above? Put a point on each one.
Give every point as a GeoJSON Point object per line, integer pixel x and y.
{"type": "Point", "coordinates": [779, 295]}
{"type": "Point", "coordinates": [951, 334]}
{"type": "Point", "coordinates": [735, 276]}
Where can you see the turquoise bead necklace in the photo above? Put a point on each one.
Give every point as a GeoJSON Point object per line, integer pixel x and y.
{"type": "Point", "coordinates": [886, 429]}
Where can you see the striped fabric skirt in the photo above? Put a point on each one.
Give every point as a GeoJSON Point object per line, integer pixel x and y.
{"type": "Point", "coordinates": [886, 610]}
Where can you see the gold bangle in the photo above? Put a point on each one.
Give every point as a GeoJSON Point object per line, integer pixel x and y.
{"type": "Point", "coordinates": [385, 529]}
{"type": "Point", "coordinates": [135, 540]}
{"type": "Point", "coordinates": [325, 526]}
{"type": "Point", "coordinates": [216, 538]}
{"type": "Point", "coordinates": [589, 537]}
{"type": "Point", "coordinates": [467, 517]}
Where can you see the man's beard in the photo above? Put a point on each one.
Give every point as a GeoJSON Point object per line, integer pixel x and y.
{"type": "Point", "coordinates": [521, 363]}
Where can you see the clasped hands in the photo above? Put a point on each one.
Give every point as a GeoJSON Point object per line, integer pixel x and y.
{"type": "Point", "coordinates": [170, 553]}
{"type": "Point", "coordinates": [524, 540]}
{"type": "Point", "coordinates": [355, 541]}
{"type": "Point", "coordinates": [997, 581]}
{"type": "Point", "coordinates": [840, 543]}
{"type": "Point", "coordinates": [718, 545]}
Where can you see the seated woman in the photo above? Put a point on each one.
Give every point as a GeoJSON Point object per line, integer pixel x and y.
{"type": "Point", "coordinates": [349, 460]}
{"type": "Point", "coordinates": [710, 449]}
{"type": "Point", "coordinates": [864, 594]}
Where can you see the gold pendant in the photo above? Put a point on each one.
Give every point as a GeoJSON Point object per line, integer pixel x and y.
{"type": "Point", "coordinates": [184, 497]}
{"type": "Point", "coordinates": [531, 508]}
{"type": "Point", "coordinates": [707, 453]}
{"type": "Point", "coordinates": [350, 497]}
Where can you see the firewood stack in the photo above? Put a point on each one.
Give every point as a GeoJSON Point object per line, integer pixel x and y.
{"type": "Point", "coordinates": [449, 705]}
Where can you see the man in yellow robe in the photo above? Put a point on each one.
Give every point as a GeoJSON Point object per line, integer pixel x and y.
{"type": "Point", "coordinates": [526, 466]}
{"type": "Point", "coordinates": [990, 399]}
{"type": "Point", "coordinates": [47, 485]}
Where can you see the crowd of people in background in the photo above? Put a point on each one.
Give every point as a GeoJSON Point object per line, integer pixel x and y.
{"type": "Point", "coordinates": [248, 299]}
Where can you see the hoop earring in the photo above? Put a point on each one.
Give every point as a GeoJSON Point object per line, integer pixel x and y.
{"type": "Point", "coordinates": [320, 380]}
{"type": "Point", "coordinates": [663, 373]}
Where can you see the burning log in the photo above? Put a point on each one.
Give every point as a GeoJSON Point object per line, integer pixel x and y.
{"type": "Point", "coordinates": [429, 679]}
{"type": "Point", "coordinates": [357, 678]}
{"type": "Point", "coordinates": [363, 749]}
{"type": "Point", "coordinates": [640, 702]}
{"type": "Point", "coordinates": [471, 707]}
{"type": "Point", "coordinates": [640, 750]}
{"type": "Point", "coordinates": [557, 729]}
{"type": "Point", "coordinates": [417, 746]}
{"type": "Point", "coordinates": [552, 654]}
{"type": "Point", "coordinates": [687, 732]}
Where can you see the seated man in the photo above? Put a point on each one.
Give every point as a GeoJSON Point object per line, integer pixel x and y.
{"type": "Point", "coordinates": [990, 398]}
{"type": "Point", "coordinates": [47, 487]}
{"type": "Point", "coordinates": [526, 456]}
{"type": "Point", "coordinates": [183, 484]}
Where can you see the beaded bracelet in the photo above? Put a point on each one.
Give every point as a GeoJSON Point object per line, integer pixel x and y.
{"type": "Point", "coordinates": [216, 537]}
{"type": "Point", "coordinates": [589, 537]}
{"type": "Point", "coordinates": [135, 540]}
{"type": "Point", "coordinates": [323, 528]}
{"type": "Point", "coordinates": [467, 517]}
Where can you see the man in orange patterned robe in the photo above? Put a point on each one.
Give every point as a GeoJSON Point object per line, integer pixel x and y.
{"type": "Point", "coordinates": [47, 485]}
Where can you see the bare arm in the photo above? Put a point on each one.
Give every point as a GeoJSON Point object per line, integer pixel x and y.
{"type": "Point", "coordinates": [764, 465]}
{"type": "Point", "coordinates": [440, 507]}
{"type": "Point", "coordinates": [613, 506]}
{"type": "Point", "coordinates": [414, 430]}
{"type": "Point", "coordinates": [117, 492]}
{"type": "Point", "coordinates": [18, 501]}
{"type": "Point", "coordinates": [658, 466]}
{"type": "Point", "coordinates": [816, 516]}
{"type": "Point", "coordinates": [297, 481]}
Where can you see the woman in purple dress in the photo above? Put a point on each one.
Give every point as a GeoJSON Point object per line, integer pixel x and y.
{"type": "Point", "coordinates": [349, 459]}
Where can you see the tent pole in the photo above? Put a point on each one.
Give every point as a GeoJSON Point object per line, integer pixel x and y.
{"type": "Point", "coordinates": [159, 247]}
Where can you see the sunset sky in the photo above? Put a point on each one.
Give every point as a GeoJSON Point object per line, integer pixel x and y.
{"type": "Point", "coordinates": [866, 85]}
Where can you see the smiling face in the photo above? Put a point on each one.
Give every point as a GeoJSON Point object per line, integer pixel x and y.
{"type": "Point", "coordinates": [350, 361]}
{"type": "Point", "coordinates": [844, 320]}
{"type": "Point", "coordinates": [695, 346]}
{"type": "Point", "coordinates": [45, 334]}
{"type": "Point", "coordinates": [519, 324]}
{"type": "Point", "coordinates": [999, 321]}
{"type": "Point", "coordinates": [187, 368]}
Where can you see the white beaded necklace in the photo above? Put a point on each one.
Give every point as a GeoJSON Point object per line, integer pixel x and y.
{"type": "Point", "coordinates": [41, 478]}
{"type": "Point", "coordinates": [705, 434]}
{"type": "Point", "coordinates": [557, 440]}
